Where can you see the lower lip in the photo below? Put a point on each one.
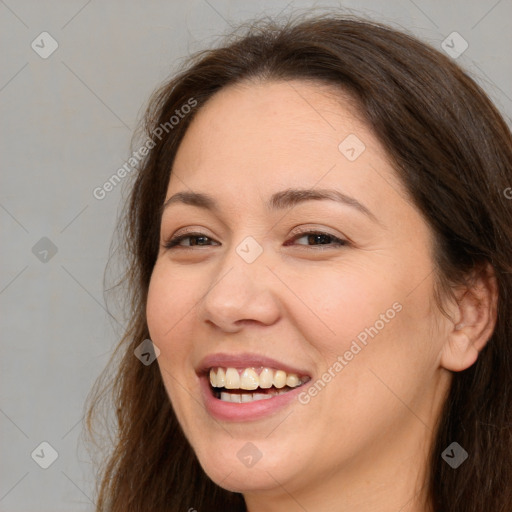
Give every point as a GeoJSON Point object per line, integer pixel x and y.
{"type": "Point", "coordinates": [247, 411]}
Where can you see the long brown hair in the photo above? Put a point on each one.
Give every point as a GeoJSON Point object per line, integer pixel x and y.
{"type": "Point", "coordinates": [452, 150]}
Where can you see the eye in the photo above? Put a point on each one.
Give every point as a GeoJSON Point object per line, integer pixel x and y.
{"type": "Point", "coordinates": [317, 238]}
{"type": "Point", "coordinates": [195, 239]}
{"type": "Point", "coordinates": [313, 238]}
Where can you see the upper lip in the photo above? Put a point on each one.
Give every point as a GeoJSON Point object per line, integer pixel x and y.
{"type": "Point", "coordinates": [245, 360]}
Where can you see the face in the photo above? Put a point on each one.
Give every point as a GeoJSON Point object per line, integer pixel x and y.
{"type": "Point", "coordinates": [326, 300]}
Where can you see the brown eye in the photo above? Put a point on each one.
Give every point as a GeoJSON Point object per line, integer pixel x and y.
{"type": "Point", "coordinates": [195, 239]}
{"type": "Point", "coordinates": [319, 238]}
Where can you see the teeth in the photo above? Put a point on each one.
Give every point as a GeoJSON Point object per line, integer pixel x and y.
{"type": "Point", "coordinates": [231, 397]}
{"type": "Point", "coordinates": [266, 378]}
{"type": "Point", "coordinates": [232, 379]}
{"type": "Point", "coordinates": [221, 378]}
{"type": "Point", "coordinates": [213, 379]}
{"type": "Point", "coordinates": [248, 379]}
{"type": "Point", "coordinates": [280, 379]}
{"type": "Point", "coordinates": [260, 396]}
{"type": "Point", "coordinates": [241, 398]}
{"type": "Point", "coordinates": [292, 381]}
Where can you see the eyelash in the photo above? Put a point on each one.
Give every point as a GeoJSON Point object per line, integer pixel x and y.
{"type": "Point", "coordinates": [174, 241]}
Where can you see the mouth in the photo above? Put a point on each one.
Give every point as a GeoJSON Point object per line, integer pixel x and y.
{"type": "Point", "coordinates": [252, 384]}
{"type": "Point", "coordinates": [246, 386]}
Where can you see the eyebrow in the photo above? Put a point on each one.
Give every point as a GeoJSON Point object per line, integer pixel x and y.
{"type": "Point", "coordinates": [278, 201]}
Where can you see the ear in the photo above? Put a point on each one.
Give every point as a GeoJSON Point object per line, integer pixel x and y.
{"type": "Point", "coordinates": [476, 313]}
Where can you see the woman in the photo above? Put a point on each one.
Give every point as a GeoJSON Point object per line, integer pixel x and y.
{"type": "Point", "coordinates": [319, 246]}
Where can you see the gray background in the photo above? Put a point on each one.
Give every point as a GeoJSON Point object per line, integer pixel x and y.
{"type": "Point", "coordinates": [66, 124]}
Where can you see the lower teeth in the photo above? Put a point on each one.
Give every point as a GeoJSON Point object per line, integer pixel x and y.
{"type": "Point", "coordinates": [247, 397]}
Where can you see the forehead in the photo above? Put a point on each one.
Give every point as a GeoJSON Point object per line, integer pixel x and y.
{"type": "Point", "coordinates": [279, 115]}
{"type": "Point", "coordinates": [261, 137]}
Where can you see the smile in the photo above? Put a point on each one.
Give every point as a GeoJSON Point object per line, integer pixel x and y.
{"type": "Point", "coordinates": [243, 385]}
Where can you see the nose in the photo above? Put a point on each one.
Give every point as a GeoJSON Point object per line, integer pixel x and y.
{"type": "Point", "coordinates": [241, 293]}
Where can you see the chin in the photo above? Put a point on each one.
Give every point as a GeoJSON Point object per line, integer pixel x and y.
{"type": "Point", "coordinates": [246, 466]}
{"type": "Point", "coordinates": [246, 480]}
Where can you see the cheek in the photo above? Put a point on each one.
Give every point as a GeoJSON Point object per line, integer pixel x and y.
{"type": "Point", "coordinates": [335, 306]}
{"type": "Point", "coordinates": [170, 297]}
{"type": "Point", "coordinates": [373, 323]}
{"type": "Point", "coordinates": [170, 306]}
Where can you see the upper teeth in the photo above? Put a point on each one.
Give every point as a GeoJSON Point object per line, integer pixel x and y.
{"type": "Point", "coordinates": [232, 378]}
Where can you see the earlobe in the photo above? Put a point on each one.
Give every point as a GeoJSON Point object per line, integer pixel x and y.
{"type": "Point", "coordinates": [459, 352]}
{"type": "Point", "coordinates": [477, 311]}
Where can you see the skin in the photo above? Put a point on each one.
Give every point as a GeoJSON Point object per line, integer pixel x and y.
{"type": "Point", "coordinates": [361, 443]}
